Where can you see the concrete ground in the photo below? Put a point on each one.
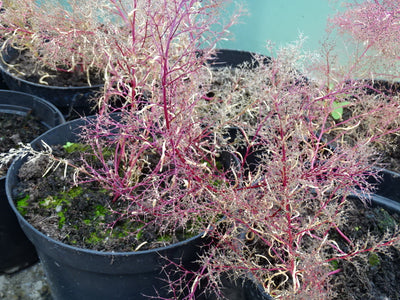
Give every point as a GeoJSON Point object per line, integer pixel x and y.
{"type": "Point", "coordinates": [27, 284]}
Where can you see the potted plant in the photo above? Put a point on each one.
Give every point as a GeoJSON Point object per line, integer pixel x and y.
{"type": "Point", "coordinates": [159, 165]}
{"type": "Point", "coordinates": [23, 118]}
{"type": "Point", "coordinates": [286, 228]}
{"type": "Point", "coordinates": [165, 159]}
{"type": "Point", "coordinates": [53, 51]}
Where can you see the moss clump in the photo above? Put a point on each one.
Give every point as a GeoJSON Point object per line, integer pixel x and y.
{"type": "Point", "coordinates": [374, 260]}
{"type": "Point", "coordinates": [75, 147]}
{"type": "Point", "coordinates": [165, 238]}
{"type": "Point", "coordinates": [385, 220]}
{"type": "Point", "coordinates": [61, 203]}
{"type": "Point", "coordinates": [22, 205]}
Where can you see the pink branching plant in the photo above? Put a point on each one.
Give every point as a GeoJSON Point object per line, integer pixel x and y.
{"type": "Point", "coordinates": [283, 226]}
{"type": "Point", "coordinates": [274, 194]}
{"type": "Point", "coordinates": [165, 159]}
{"type": "Point", "coordinates": [373, 26]}
{"type": "Point", "coordinates": [166, 163]}
{"type": "Point", "coordinates": [69, 38]}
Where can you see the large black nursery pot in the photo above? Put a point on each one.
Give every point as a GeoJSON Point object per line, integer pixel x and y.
{"type": "Point", "coordinates": [16, 251]}
{"type": "Point", "coordinates": [71, 100]}
{"type": "Point", "coordinates": [74, 273]}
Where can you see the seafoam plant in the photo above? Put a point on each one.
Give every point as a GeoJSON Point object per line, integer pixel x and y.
{"type": "Point", "coordinates": [283, 227]}
{"type": "Point", "coordinates": [371, 27]}
{"type": "Point", "coordinates": [167, 163]}
{"type": "Point", "coordinates": [67, 38]}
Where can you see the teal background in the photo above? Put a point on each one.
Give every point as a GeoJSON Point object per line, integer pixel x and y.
{"type": "Point", "coordinates": [281, 22]}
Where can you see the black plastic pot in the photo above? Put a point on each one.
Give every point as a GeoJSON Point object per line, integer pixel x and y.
{"type": "Point", "coordinates": [16, 251]}
{"type": "Point", "coordinates": [70, 100]}
{"type": "Point", "coordinates": [3, 85]}
{"type": "Point", "coordinates": [387, 193]}
{"type": "Point", "coordinates": [234, 58]}
{"type": "Point", "coordinates": [76, 273]}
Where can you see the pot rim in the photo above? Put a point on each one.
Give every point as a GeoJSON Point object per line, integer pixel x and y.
{"type": "Point", "coordinates": [5, 70]}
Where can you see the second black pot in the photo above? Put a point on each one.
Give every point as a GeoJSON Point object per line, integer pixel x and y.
{"type": "Point", "coordinates": [70, 100]}
{"type": "Point", "coordinates": [76, 273]}
{"type": "Point", "coordinates": [16, 251]}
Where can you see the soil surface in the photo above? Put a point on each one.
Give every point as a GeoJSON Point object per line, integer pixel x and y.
{"type": "Point", "coordinates": [375, 275]}
{"type": "Point", "coordinates": [15, 129]}
{"type": "Point", "coordinates": [86, 216]}
{"type": "Point", "coordinates": [27, 67]}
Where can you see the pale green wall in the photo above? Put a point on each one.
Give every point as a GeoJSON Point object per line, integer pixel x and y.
{"type": "Point", "coordinates": [281, 21]}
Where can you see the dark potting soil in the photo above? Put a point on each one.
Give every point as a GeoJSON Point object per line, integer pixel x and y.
{"type": "Point", "coordinates": [15, 129]}
{"type": "Point", "coordinates": [374, 275]}
{"type": "Point", "coordinates": [391, 154]}
{"type": "Point", "coordinates": [29, 70]}
{"type": "Point", "coordinates": [81, 215]}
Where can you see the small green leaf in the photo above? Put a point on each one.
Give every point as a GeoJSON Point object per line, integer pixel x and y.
{"type": "Point", "coordinates": [337, 109]}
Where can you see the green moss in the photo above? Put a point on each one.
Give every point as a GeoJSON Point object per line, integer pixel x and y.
{"type": "Point", "coordinates": [94, 238]}
{"type": "Point", "coordinates": [165, 238]}
{"type": "Point", "coordinates": [22, 205]}
{"type": "Point", "coordinates": [84, 148]}
{"type": "Point", "coordinates": [100, 211]}
{"type": "Point", "coordinates": [62, 199]}
{"type": "Point", "coordinates": [139, 235]}
{"type": "Point", "coordinates": [61, 220]}
{"type": "Point", "coordinates": [61, 203]}
{"type": "Point", "coordinates": [74, 192]}
{"type": "Point", "coordinates": [385, 220]}
{"type": "Point", "coordinates": [374, 260]}
{"type": "Point", "coordinates": [75, 147]}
